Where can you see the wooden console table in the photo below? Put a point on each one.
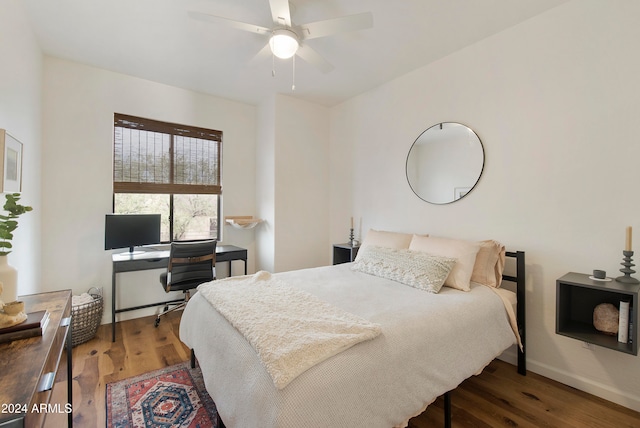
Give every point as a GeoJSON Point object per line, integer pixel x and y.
{"type": "Point", "coordinates": [30, 368]}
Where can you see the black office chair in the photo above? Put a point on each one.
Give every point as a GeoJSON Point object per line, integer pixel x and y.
{"type": "Point", "coordinates": [190, 264]}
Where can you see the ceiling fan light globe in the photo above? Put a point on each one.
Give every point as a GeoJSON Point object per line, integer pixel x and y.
{"type": "Point", "coordinates": [284, 44]}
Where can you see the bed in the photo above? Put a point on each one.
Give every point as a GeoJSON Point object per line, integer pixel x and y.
{"type": "Point", "coordinates": [428, 343]}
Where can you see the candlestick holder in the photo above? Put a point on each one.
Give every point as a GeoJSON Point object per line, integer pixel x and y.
{"type": "Point", "coordinates": [351, 237]}
{"type": "Point", "coordinates": [627, 271]}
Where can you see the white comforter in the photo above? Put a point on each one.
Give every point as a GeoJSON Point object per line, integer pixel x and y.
{"type": "Point", "coordinates": [429, 344]}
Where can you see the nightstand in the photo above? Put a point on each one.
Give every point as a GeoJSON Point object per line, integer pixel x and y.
{"type": "Point", "coordinates": [344, 253]}
{"type": "Point", "coordinates": [576, 297]}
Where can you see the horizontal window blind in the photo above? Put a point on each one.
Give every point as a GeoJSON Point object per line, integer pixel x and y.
{"type": "Point", "coordinates": [158, 157]}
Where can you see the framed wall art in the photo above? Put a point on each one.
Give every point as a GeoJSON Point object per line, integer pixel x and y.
{"type": "Point", "coordinates": [10, 163]}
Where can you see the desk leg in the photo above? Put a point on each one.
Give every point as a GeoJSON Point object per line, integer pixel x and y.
{"type": "Point", "coordinates": [245, 266]}
{"type": "Point", "coordinates": [113, 304]}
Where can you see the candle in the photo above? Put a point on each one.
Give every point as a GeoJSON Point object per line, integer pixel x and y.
{"type": "Point", "coordinates": [351, 222]}
{"type": "Point", "coordinates": [628, 242]}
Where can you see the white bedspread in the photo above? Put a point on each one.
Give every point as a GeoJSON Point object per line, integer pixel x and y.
{"type": "Point", "coordinates": [429, 344]}
{"type": "Point", "coordinates": [290, 329]}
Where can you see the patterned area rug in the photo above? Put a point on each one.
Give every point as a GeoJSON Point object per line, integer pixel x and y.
{"type": "Point", "coordinates": [171, 397]}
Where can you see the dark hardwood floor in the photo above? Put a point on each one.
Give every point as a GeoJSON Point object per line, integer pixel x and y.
{"type": "Point", "coordinates": [498, 397]}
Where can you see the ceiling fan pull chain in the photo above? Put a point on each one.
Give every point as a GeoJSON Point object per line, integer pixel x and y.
{"type": "Point", "coordinates": [293, 78]}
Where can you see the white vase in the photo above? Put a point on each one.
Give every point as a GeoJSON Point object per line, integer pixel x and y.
{"type": "Point", "coordinates": [9, 279]}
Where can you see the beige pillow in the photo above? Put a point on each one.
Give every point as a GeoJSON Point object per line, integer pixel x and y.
{"type": "Point", "coordinates": [419, 270]}
{"type": "Point", "coordinates": [463, 251]}
{"type": "Point", "coordinates": [489, 264]}
{"type": "Point", "coordinates": [381, 238]}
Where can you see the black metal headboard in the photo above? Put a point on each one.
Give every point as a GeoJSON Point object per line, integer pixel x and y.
{"type": "Point", "coordinates": [519, 279]}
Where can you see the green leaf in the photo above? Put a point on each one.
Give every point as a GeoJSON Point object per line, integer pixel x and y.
{"type": "Point", "coordinates": [8, 222]}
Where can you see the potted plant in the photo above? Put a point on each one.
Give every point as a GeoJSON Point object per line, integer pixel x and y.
{"type": "Point", "coordinates": [9, 223]}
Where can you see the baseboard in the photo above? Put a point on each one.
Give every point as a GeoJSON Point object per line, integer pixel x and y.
{"type": "Point", "coordinates": [626, 399]}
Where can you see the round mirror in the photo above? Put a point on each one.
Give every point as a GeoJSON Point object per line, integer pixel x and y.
{"type": "Point", "coordinates": [445, 163]}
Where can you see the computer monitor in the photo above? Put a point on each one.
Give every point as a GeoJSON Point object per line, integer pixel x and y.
{"type": "Point", "coordinates": [131, 230]}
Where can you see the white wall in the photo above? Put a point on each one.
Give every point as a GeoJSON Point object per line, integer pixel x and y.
{"type": "Point", "coordinates": [301, 192]}
{"type": "Point", "coordinates": [293, 196]}
{"type": "Point", "coordinates": [265, 185]}
{"type": "Point", "coordinates": [554, 101]}
{"type": "Point", "coordinates": [20, 115]}
{"type": "Point", "coordinates": [79, 103]}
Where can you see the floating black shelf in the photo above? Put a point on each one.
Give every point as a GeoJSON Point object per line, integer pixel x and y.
{"type": "Point", "coordinates": [344, 253]}
{"type": "Point", "coordinates": [578, 295]}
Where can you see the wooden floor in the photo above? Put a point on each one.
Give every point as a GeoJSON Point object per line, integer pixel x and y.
{"type": "Point", "coordinates": [499, 397]}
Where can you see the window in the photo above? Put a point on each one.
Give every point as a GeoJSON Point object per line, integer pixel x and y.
{"type": "Point", "coordinates": [169, 169]}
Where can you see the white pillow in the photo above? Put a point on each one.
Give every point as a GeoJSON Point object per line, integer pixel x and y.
{"type": "Point", "coordinates": [463, 251]}
{"type": "Point", "coordinates": [381, 238]}
{"type": "Point", "coordinates": [419, 270]}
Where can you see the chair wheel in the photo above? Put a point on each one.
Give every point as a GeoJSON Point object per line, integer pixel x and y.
{"type": "Point", "coordinates": [157, 322]}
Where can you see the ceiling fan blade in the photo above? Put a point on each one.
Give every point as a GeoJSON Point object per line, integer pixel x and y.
{"type": "Point", "coordinates": [238, 25]}
{"type": "Point", "coordinates": [280, 12]}
{"type": "Point", "coordinates": [329, 27]}
{"type": "Point", "coordinates": [262, 54]}
{"type": "Point", "coordinates": [314, 58]}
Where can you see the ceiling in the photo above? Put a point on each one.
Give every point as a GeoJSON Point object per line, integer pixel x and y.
{"type": "Point", "coordinates": [156, 40]}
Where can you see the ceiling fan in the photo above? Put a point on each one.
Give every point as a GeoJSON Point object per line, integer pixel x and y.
{"type": "Point", "coordinates": [287, 39]}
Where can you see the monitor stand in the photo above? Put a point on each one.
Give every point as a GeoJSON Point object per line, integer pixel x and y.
{"type": "Point", "coordinates": [131, 252]}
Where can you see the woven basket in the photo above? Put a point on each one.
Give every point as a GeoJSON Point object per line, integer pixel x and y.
{"type": "Point", "coordinates": [85, 319]}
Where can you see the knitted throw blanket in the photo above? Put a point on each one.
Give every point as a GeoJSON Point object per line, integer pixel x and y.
{"type": "Point", "coordinates": [290, 330]}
